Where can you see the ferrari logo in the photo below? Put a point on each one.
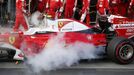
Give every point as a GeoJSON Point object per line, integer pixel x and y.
{"type": "Point", "coordinates": [11, 39]}
{"type": "Point", "coordinates": [60, 25]}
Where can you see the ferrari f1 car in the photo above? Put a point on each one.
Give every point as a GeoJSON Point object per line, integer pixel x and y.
{"type": "Point", "coordinates": [117, 36]}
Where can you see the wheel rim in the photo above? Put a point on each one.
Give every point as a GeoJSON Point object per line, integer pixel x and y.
{"type": "Point", "coordinates": [126, 52]}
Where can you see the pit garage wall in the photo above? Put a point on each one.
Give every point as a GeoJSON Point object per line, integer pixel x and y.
{"type": "Point", "coordinates": [7, 12]}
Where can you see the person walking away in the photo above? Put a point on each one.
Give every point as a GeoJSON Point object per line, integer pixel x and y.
{"type": "Point", "coordinates": [20, 11]}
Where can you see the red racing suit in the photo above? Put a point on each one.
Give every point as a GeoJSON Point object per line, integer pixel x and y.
{"type": "Point", "coordinates": [114, 7]}
{"type": "Point", "coordinates": [69, 5]}
{"type": "Point", "coordinates": [131, 4]}
{"type": "Point", "coordinates": [85, 11]}
{"type": "Point", "coordinates": [20, 20]}
{"type": "Point", "coordinates": [123, 7]}
{"type": "Point", "coordinates": [42, 5]}
{"type": "Point", "coordinates": [102, 6]}
{"type": "Point", "coordinates": [53, 7]}
{"type": "Point", "coordinates": [131, 9]}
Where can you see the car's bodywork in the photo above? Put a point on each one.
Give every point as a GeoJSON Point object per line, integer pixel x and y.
{"type": "Point", "coordinates": [36, 38]}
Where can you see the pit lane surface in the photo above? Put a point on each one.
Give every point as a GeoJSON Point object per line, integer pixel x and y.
{"type": "Point", "coordinates": [94, 67]}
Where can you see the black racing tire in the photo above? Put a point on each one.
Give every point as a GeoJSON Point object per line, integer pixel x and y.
{"type": "Point", "coordinates": [9, 53]}
{"type": "Point", "coordinates": [121, 50]}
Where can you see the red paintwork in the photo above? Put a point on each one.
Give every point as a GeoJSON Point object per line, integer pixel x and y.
{"type": "Point", "coordinates": [35, 43]}
{"type": "Point", "coordinates": [125, 27]}
{"type": "Point", "coordinates": [32, 44]}
{"type": "Point", "coordinates": [39, 40]}
{"type": "Point", "coordinates": [5, 38]}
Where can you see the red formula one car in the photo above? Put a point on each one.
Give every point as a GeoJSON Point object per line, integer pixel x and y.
{"type": "Point", "coordinates": [117, 37]}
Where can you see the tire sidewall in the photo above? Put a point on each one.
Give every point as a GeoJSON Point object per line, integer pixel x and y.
{"type": "Point", "coordinates": [114, 47]}
{"type": "Point", "coordinates": [117, 50]}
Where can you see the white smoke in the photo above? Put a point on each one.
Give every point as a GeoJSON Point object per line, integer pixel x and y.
{"type": "Point", "coordinates": [58, 55]}
{"type": "Point", "coordinates": [5, 29]}
{"type": "Point", "coordinates": [9, 29]}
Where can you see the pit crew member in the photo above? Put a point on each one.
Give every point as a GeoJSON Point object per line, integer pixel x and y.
{"type": "Point", "coordinates": [42, 5]}
{"type": "Point", "coordinates": [114, 5]}
{"type": "Point", "coordinates": [78, 8]}
{"type": "Point", "coordinates": [53, 7]}
{"type": "Point", "coordinates": [123, 7]}
{"type": "Point", "coordinates": [131, 9]}
{"type": "Point", "coordinates": [20, 11]}
{"type": "Point", "coordinates": [103, 11]}
{"type": "Point", "coordinates": [70, 7]}
{"type": "Point", "coordinates": [102, 7]}
{"type": "Point", "coordinates": [85, 12]}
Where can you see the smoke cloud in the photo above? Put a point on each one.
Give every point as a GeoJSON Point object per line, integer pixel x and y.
{"type": "Point", "coordinates": [58, 55]}
{"type": "Point", "coordinates": [5, 29]}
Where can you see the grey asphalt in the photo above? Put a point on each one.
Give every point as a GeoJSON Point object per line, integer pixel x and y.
{"type": "Point", "coordinates": [91, 64]}
{"type": "Point", "coordinates": [93, 67]}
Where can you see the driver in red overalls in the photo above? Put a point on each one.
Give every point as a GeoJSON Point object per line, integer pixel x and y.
{"type": "Point", "coordinates": [20, 20]}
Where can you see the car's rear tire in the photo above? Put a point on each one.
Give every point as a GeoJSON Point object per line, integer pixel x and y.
{"type": "Point", "coordinates": [121, 50]}
{"type": "Point", "coordinates": [7, 52]}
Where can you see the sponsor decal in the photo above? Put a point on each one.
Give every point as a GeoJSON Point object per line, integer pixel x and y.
{"type": "Point", "coordinates": [130, 31]}
{"type": "Point", "coordinates": [67, 29]}
{"type": "Point", "coordinates": [123, 26]}
{"type": "Point", "coordinates": [128, 22]}
{"type": "Point", "coordinates": [129, 34]}
{"type": "Point", "coordinates": [62, 24]}
{"type": "Point", "coordinates": [11, 39]}
{"type": "Point", "coordinates": [89, 37]}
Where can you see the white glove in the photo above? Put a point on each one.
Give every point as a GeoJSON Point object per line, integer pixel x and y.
{"type": "Point", "coordinates": [61, 9]}
{"type": "Point", "coordinates": [24, 11]}
{"type": "Point", "coordinates": [74, 9]}
{"type": "Point", "coordinates": [83, 16]}
{"type": "Point", "coordinates": [47, 5]}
